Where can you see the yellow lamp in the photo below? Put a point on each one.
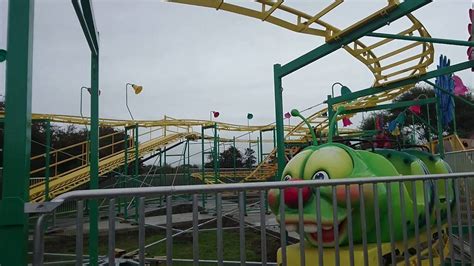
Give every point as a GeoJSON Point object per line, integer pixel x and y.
{"type": "Point", "coordinates": [137, 88]}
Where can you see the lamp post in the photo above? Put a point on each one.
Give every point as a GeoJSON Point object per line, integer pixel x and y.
{"type": "Point", "coordinates": [249, 116]}
{"type": "Point", "coordinates": [288, 116]}
{"type": "Point", "coordinates": [137, 89]}
{"type": "Point", "coordinates": [344, 90]}
{"type": "Point", "coordinates": [80, 107]}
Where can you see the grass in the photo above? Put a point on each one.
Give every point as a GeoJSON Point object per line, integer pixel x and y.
{"type": "Point", "coordinates": [182, 244]}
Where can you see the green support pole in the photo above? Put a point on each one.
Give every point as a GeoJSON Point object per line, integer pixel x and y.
{"type": "Point", "coordinates": [454, 118]}
{"type": "Point", "coordinates": [135, 172]}
{"type": "Point", "coordinates": [188, 169]}
{"type": "Point", "coordinates": [258, 150]}
{"type": "Point", "coordinates": [420, 39]}
{"type": "Point", "coordinates": [234, 159]}
{"type": "Point", "coordinates": [274, 137]}
{"type": "Point", "coordinates": [161, 177]}
{"type": "Point", "coordinates": [215, 160]}
{"type": "Point", "coordinates": [216, 154]}
{"type": "Point", "coordinates": [280, 138]}
{"type": "Point", "coordinates": [330, 110]}
{"type": "Point", "coordinates": [125, 174]}
{"type": "Point", "coordinates": [47, 160]}
{"type": "Point", "coordinates": [94, 161]}
{"type": "Point", "coordinates": [17, 134]}
{"type": "Point", "coordinates": [261, 147]}
{"type": "Point", "coordinates": [440, 129]}
{"type": "Point", "coordinates": [202, 168]}
{"type": "Point", "coordinates": [408, 81]}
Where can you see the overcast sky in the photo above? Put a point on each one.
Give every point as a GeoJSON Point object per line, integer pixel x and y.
{"type": "Point", "coordinates": [191, 60]}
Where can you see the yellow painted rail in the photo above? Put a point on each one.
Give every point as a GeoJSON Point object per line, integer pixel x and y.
{"type": "Point", "coordinates": [81, 176]}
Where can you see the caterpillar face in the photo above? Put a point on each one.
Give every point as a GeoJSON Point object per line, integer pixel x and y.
{"type": "Point", "coordinates": [329, 161]}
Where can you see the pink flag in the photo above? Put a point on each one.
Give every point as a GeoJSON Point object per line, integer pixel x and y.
{"type": "Point", "coordinates": [459, 87]}
{"type": "Point", "coordinates": [346, 121]}
{"type": "Point", "coordinates": [415, 109]}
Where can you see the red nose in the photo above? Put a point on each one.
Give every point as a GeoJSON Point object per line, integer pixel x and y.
{"type": "Point", "coordinates": [291, 195]}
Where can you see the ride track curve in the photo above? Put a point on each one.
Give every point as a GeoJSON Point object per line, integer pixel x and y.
{"type": "Point", "coordinates": [386, 62]}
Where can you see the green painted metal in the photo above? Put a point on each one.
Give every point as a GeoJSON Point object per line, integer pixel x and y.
{"type": "Point", "coordinates": [280, 138]}
{"type": "Point", "coordinates": [3, 55]}
{"type": "Point", "coordinates": [261, 147]}
{"type": "Point", "coordinates": [391, 106]}
{"type": "Point", "coordinates": [47, 160]}
{"type": "Point", "coordinates": [215, 156]}
{"type": "Point", "coordinates": [125, 173]}
{"type": "Point", "coordinates": [333, 121]}
{"type": "Point", "coordinates": [401, 83]}
{"type": "Point", "coordinates": [94, 162]}
{"type": "Point", "coordinates": [420, 39]}
{"type": "Point", "coordinates": [404, 8]}
{"type": "Point", "coordinates": [85, 16]}
{"type": "Point", "coordinates": [258, 150]}
{"type": "Point", "coordinates": [203, 171]}
{"type": "Point", "coordinates": [440, 128]}
{"type": "Point", "coordinates": [297, 113]}
{"type": "Point", "coordinates": [189, 161]}
{"type": "Point", "coordinates": [234, 155]}
{"type": "Point", "coordinates": [451, 94]}
{"type": "Point", "coordinates": [331, 112]}
{"type": "Point", "coordinates": [17, 134]}
{"type": "Point", "coordinates": [136, 167]}
{"type": "Point", "coordinates": [161, 177]}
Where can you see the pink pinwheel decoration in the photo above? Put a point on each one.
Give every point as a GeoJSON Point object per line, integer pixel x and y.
{"type": "Point", "coordinates": [415, 109]}
{"type": "Point", "coordinates": [287, 115]}
{"type": "Point", "coordinates": [346, 122]}
{"type": "Point", "coordinates": [459, 87]}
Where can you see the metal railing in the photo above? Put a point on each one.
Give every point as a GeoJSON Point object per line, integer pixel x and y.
{"type": "Point", "coordinates": [461, 161]}
{"type": "Point", "coordinates": [384, 220]}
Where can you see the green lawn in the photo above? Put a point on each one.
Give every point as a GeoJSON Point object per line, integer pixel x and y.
{"type": "Point", "coordinates": [182, 245]}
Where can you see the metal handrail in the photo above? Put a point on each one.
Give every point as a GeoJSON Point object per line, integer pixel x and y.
{"type": "Point", "coordinates": [43, 207]}
{"type": "Point", "coordinates": [46, 208]}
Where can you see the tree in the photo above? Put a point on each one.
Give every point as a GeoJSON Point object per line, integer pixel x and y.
{"type": "Point", "coordinates": [226, 158]}
{"type": "Point", "coordinates": [249, 158]}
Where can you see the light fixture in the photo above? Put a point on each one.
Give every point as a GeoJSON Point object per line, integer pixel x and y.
{"type": "Point", "coordinates": [214, 114]}
{"type": "Point", "coordinates": [137, 89]}
{"type": "Point", "coordinates": [344, 89]}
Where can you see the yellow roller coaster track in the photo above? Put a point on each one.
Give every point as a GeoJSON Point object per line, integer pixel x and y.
{"type": "Point", "coordinates": [80, 176]}
{"type": "Point", "coordinates": [387, 62]}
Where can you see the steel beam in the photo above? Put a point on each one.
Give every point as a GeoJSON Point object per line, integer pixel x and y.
{"type": "Point", "coordinates": [401, 83]}
{"type": "Point", "coordinates": [420, 39]}
{"type": "Point", "coordinates": [401, 10]}
{"type": "Point", "coordinates": [280, 138]}
{"type": "Point", "coordinates": [17, 138]}
{"type": "Point", "coordinates": [357, 32]}
{"type": "Point", "coordinates": [391, 106]}
{"type": "Point", "coordinates": [94, 160]}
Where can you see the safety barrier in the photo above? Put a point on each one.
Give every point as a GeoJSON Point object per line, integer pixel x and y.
{"type": "Point", "coordinates": [461, 161]}
{"type": "Point", "coordinates": [368, 221]}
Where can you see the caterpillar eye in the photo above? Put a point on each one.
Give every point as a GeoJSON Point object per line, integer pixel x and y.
{"type": "Point", "coordinates": [321, 175]}
{"type": "Point", "coordinates": [287, 178]}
